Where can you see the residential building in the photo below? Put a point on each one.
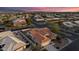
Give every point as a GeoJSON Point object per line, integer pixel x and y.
{"type": "Point", "coordinates": [42, 36]}
{"type": "Point", "coordinates": [19, 22]}
{"type": "Point", "coordinates": [11, 42]}
{"type": "Point", "coordinates": [77, 22]}
{"type": "Point", "coordinates": [69, 24]}
{"type": "Point", "coordinates": [39, 20]}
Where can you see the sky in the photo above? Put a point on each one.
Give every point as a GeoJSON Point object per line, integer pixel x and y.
{"type": "Point", "coordinates": [45, 9]}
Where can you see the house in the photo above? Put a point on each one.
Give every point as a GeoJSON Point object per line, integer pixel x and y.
{"type": "Point", "coordinates": [19, 22]}
{"type": "Point", "coordinates": [69, 24]}
{"type": "Point", "coordinates": [42, 36]}
{"type": "Point", "coordinates": [11, 42]}
{"type": "Point", "coordinates": [76, 22]}
{"type": "Point", "coordinates": [49, 18]}
{"type": "Point", "coordinates": [39, 20]}
{"type": "Point", "coordinates": [55, 20]}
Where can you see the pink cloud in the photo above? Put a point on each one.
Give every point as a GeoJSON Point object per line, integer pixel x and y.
{"type": "Point", "coordinates": [53, 9]}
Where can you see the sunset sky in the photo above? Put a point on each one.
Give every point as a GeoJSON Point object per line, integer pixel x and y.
{"type": "Point", "coordinates": [45, 9]}
{"type": "Point", "coordinates": [54, 9]}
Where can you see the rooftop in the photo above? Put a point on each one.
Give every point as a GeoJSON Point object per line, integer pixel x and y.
{"type": "Point", "coordinates": [69, 24]}
{"type": "Point", "coordinates": [11, 41]}
{"type": "Point", "coordinates": [42, 35]}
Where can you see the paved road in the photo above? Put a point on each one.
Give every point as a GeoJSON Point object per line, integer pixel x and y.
{"type": "Point", "coordinates": [74, 46]}
{"type": "Point", "coordinates": [70, 34]}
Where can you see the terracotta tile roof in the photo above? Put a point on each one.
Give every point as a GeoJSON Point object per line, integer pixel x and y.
{"type": "Point", "coordinates": [44, 32]}
{"type": "Point", "coordinates": [42, 35]}
{"type": "Point", "coordinates": [39, 36]}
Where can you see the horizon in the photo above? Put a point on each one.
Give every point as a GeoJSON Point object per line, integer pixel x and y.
{"type": "Point", "coordinates": [41, 9]}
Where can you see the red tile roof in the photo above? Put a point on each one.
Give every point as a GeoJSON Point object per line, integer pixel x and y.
{"type": "Point", "coordinates": [42, 35]}
{"type": "Point", "coordinates": [37, 35]}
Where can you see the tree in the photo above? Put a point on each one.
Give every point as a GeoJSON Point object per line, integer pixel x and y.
{"type": "Point", "coordinates": [36, 48]}
{"type": "Point", "coordinates": [28, 20]}
{"type": "Point", "coordinates": [54, 27]}
{"type": "Point", "coordinates": [8, 23]}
